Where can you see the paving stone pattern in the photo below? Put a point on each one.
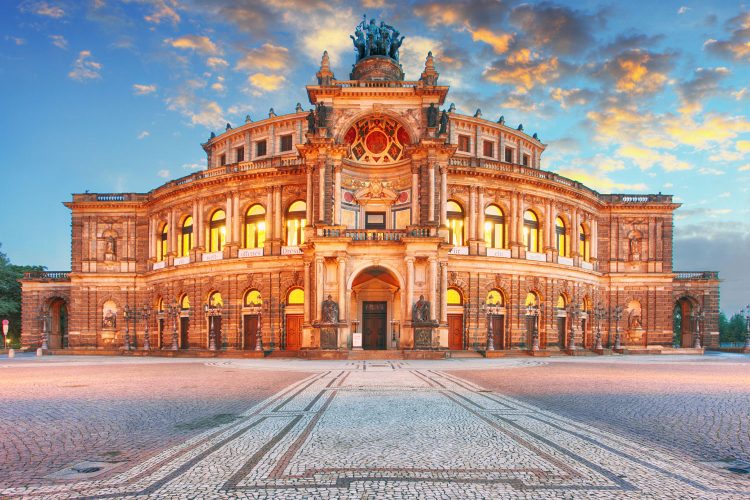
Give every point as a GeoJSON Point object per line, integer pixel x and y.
{"type": "Point", "coordinates": [393, 430]}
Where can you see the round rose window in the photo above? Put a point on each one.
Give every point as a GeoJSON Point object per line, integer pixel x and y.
{"type": "Point", "coordinates": [377, 141]}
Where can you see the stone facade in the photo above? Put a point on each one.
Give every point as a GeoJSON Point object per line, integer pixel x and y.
{"type": "Point", "coordinates": [377, 197]}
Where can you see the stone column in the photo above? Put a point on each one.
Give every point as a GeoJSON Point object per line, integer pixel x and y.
{"type": "Point", "coordinates": [472, 209]}
{"type": "Point", "coordinates": [415, 194]}
{"type": "Point", "coordinates": [574, 223]}
{"type": "Point", "coordinates": [309, 197]}
{"type": "Point", "coordinates": [239, 218]}
{"type": "Point", "coordinates": [321, 191]}
{"type": "Point", "coordinates": [320, 279]}
{"type": "Point", "coordinates": [195, 225]}
{"type": "Point", "coordinates": [431, 197]}
{"type": "Point", "coordinates": [248, 145]}
{"type": "Point", "coordinates": [409, 285]}
{"type": "Point", "coordinates": [306, 284]}
{"type": "Point", "coordinates": [443, 292]}
{"type": "Point", "coordinates": [337, 193]}
{"type": "Point", "coordinates": [433, 286]}
{"type": "Point", "coordinates": [480, 215]}
{"type": "Point", "coordinates": [444, 196]}
{"type": "Point", "coordinates": [341, 261]}
{"type": "Point", "coordinates": [201, 236]}
{"type": "Point", "coordinates": [277, 214]}
{"type": "Point", "coordinates": [151, 231]}
{"type": "Point", "coordinates": [594, 240]}
{"type": "Point", "coordinates": [229, 221]}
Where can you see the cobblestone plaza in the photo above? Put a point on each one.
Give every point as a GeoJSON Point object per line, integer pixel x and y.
{"type": "Point", "coordinates": [567, 427]}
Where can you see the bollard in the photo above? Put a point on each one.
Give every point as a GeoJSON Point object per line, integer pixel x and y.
{"type": "Point", "coordinates": [40, 352]}
{"type": "Point", "coordinates": [11, 353]}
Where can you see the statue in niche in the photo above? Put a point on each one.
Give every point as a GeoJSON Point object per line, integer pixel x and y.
{"type": "Point", "coordinates": [311, 121]}
{"type": "Point", "coordinates": [443, 123]}
{"type": "Point", "coordinates": [634, 320]}
{"type": "Point", "coordinates": [421, 311]}
{"type": "Point", "coordinates": [432, 116]}
{"type": "Point", "coordinates": [322, 115]}
{"type": "Point", "coordinates": [110, 320]}
{"type": "Point", "coordinates": [635, 248]}
{"type": "Point", "coordinates": [330, 311]}
{"type": "Point", "coordinates": [110, 250]}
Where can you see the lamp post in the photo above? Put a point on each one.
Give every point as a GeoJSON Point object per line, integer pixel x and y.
{"type": "Point", "coordinates": [44, 318]}
{"type": "Point", "coordinates": [617, 315]}
{"type": "Point", "coordinates": [465, 331]}
{"type": "Point", "coordinates": [128, 313]}
{"type": "Point", "coordinates": [599, 314]}
{"type": "Point", "coordinates": [258, 308]}
{"type": "Point", "coordinates": [747, 331]}
{"type": "Point", "coordinates": [5, 333]}
{"type": "Point", "coordinates": [211, 311]}
{"type": "Point", "coordinates": [146, 315]}
{"type": "Point", "coordinates": [173, 311]}
{"type": "Point", "coordinates": [532, 311]}
{"type": "Point", "coordinates": [698, 317]}
{"type": "Point", "coordinates": [573, 312]}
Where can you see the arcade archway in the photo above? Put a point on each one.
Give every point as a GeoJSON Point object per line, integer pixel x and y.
{"type": "Point", "coordinates": [376, 311]}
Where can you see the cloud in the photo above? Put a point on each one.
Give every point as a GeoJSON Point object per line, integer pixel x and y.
{"type": "Point", "coordinates": [164, 10]}
{"type": "Point", "coordinates": [467, 14]}
{"type": "Point", "coordinates": [710, 171]}
{"type": "Point", "coordinates": [500, 42]}
{"type": "Point", "coordinates": [571, 97]}
{"type": "Point", "coordinates": [646, 158]}
{"type": "Point", "coordinates": [140, 89]}
{"type": "Point", "coordinates": [557, 28]}
{"type": "Point", "coordinates": [599, 182]}
{"type": "Point", "coordinates": [216, 62]}
{"type": "Point", "coordinates": [84, 68]}
{"type": "Point", "coordinates": [198, 43]}
{"type": "Point", "coordinates": [59, 41]}
{"type": "Point", "coordinates": [637, 71]}
{"type": "Point", "coordinates": [524, 69]}
{"type": "Point", "coordinates": [704, 84]}
{"type": "Point", "coordinates": [743, 146]}
{"type": "Point", "coordinates": [266, 83]}
{"type": "Point", "coordinates": [268, 56]}
{"type": "Point", "coordinates": [737, 47]}
{"type": "Point", "coordinates": [629, 41]}
{"type": "Point", "coordinates": [164, 173]}
{"type": "Point", "coordinates": [744, 168]}
{"type": "Point", "coordinates": [45, 9]}
{"type": "Point", "coordinates": [16, 40]}
{"type": "Point", "coordinates": [218, 85]}
{"type": "Point", "coordinates": [143, 134]}
{"type": "Point", "coordinates": [200, 111]}
{"type": "Point", "coordinates": [683, 10]}
{"type": "Point", "coordinates": [195, 165]}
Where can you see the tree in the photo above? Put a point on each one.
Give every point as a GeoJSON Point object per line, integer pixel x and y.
{"type": "Point", "coordinates": [723, 327]}
{"type": "Point", "coordinates": [10, 294]}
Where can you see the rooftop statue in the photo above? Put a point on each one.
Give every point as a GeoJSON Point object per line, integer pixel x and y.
{"type": "Point", "coordinates": [371, 39]}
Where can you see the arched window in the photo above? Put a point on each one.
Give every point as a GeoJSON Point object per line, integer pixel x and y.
{"type": "Point", "coordinates": [531, 231]}
{"type": "Point", "coordinates": [495, 298]}
{"type": "Point", "coordinates": [163, 238]}
{"type": "Point", "coordinates": [184, 303]}
{"type": "Point", "coordinates": [186, 237]}
{"type": "Point", "coordinates": [217, 231]}
{"type": "Point", "coordinates": [454, 297]}
{"type": "Point", "coordinates": [295, 223]}
{"type": "Point", "coordinates": [252, 299]}
{"type": "Point", "coordinates": [455, 223]}
{"type": "Point", "coordinates": [494, 227]}
{"type": "Point", "coordinates": [255, 227]}
{"type": "Point", "coordinates": [531, 299]}
{"type": "Point", "coordinates": [561, 302]}
{"type": "Point", "coordinates": [296, 296]}
{"type": "Point", "coordinates": [215, 299]}
{"type": "Point", "coordinates": [560, 238]}
{"type": "Point", "coordinates": [584, 243]}
{"type": "Point", "coordinates": [160, 305]}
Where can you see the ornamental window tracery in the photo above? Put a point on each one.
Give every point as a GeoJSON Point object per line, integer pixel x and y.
{"type": "Point", "coordinates": [377, 141]}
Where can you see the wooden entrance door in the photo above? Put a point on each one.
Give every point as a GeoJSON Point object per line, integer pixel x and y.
{"type": "Point", "coordinates": [184, 330]}
{"type": "Point", "coordinates": [250, 327]}
{"type": "Point", "coordinates": [294, 331]}
{"type": "Point", "coordinates": [217, 332]}
{"type": "Point", "coordinates": [498, 331]}
{"type": "Point", "coordinates": [455, 332]}
{"type": "Point", "coordinates": [161, 333]}
{"type": "Point", "coordinates": [561, 327]}
{"type": "Point", "coordinates": [374, 325]}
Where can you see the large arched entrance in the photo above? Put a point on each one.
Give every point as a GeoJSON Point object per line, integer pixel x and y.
{"type": "Point", "coordinates": [376, 311]}
{"type": "Point", "coordinates": [683, 325]}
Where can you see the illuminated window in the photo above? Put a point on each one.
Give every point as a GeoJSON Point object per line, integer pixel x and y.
{"type": "Point", "coordinates": [560, 236]}
{"type": "Point", "coordinates": [495, 298]}
{"type": "Point", "coordinates": [295, 223]}
{"type": "Point", "coordinates": [286, 142]}
{"type": "Point", "coordinates": [184, 303]}
{"type": "Point", "coordinates": [160, 305]}
{"type": "Point", "coordinates": [531, 299]}
{"type": "Point", "coordinates": [531, 231]}
{"type": "Point", "coordinates": [489, 149]}
{"type": "Point", "coordinates": [217, 231]}
{"type": "Point", "coordinates": [296, 296]}
{"type": "Point", "coordinates": [494, 227]}
{"type": "Point", "coordinates": [455, 223]}
{"type": "Point", "coordinates": [561, 302]}
{"type": "Point", "coordinates": [454, 297]}
{"type": "Point", "coordinates": [186, 237]}
{"type": "Point", "coordinates": [163, 238]}
{"type": "Point", "coordinates": [584, 244]}
{"type": "Point", "coordinates": [215, 299]}
{"type": "Point", "coordinates": [463, 143]}
{"type": "Point", "coordinates": [255, 227]}
{"type": "Point", "coordinates": [252, 298]}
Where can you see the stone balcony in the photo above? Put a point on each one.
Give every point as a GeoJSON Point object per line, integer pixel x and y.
{"type": "Point", "coordinates": [47, 276]}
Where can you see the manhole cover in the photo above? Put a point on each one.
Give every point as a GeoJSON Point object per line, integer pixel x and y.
{"type": "Point", "coordinates": [83, 470]}
{"type": "Point", "coordinates": [86, 470]}
{"type": "Point", "coordinates": [735, 466]}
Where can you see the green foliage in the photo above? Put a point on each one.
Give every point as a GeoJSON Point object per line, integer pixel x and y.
{"type": "Point", "coordinates": [732, 330]}
{"type": "Point", "coordinates": [10, 293]}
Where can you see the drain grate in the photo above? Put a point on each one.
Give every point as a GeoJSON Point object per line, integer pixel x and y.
{"type": "Point", "coordinates": [86, 470]}
{"type": "Point", "coordinates": [83, 470]}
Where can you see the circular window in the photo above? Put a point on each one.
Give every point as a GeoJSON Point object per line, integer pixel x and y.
{"type": "Point", "coordinates": [377, 141]}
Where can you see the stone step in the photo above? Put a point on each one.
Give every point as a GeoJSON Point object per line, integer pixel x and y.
{"type": "Point", "coordinates": [367, 354]}
{"type": "Point", "coordinates": [463, 354]}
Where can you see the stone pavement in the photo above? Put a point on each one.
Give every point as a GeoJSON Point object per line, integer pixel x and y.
{"type": "Point", "coordinates": [365, 429]}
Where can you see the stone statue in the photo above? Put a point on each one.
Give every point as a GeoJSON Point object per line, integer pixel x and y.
{"type": "Point", "coordinates": [421, 311]}
{"type": "Point", "coordinates": [443, 123]}
{"type": "Point", "coordinates": [298, 108]}
{"type": "Point", "coordinates": [330, 311]}
{"type": "Point", "coordinates": [371, 39]}
{"type": "Point", "coordinates": [635, 248]}
{"type": "Point", "coordinates": [432, 116]}
{"type": "Point", "coordinates": [311, 121]}
{"type": "Point", "coordinates": [322, 115]}
{"type": "Point", "coordinates": [110, 252]}
{"type": "Point", "coordinates": [634, 321]}
{"type": "Point", "coordinates": [359, 43]}
{"type": "Point", "coordinates": [110, 319]}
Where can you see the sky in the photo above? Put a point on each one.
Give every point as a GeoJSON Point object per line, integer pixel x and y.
{"type": "Point", "coordinates": [635, 97]}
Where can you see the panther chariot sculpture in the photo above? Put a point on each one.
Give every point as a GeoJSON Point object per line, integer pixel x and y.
{"type": "Point", "coordinates": [371, 39]}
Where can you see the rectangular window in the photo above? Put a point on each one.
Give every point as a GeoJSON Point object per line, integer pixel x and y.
{"type": "Point", "coordinates": [375, 220]}
{"type": "Point", "coordinates": [240, 154]}
{"type": "Point", "coordinates": [286, 142]}
{"type": "Point", "coordinates": [525, 160]}
{"type": "Point", "coordinates": [463, 143]}
{"type": "Point", "coordinates": [260, 148]}
{"type": "Point", "coordinates": [222, 160]}
{"type": "Point", "coordinates": [508, 155]}
{"type": "Point", "coordinates": [489, 149]}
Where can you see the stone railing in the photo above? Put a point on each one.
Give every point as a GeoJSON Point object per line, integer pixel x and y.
{"type": "Point", "coordinates": [47, 275]}
{"type": "Point", "coordinates": [244, 166]}
{"type": "Point", "coordinates": [109, 197]}
{"type": "Point", "coordinates": [375, 84]}
{"type": "Point", "coordinates": [696, 275]}
{"type": "Point", "coordinates": [636, 198]}
{"type": "Point", "coordinates": [376, 234]}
